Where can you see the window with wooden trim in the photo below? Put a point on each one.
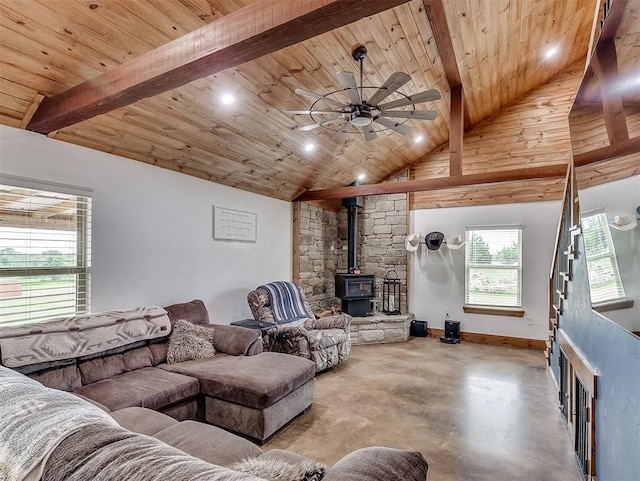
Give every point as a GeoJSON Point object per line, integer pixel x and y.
{"type": "Point", "coordinates": [493, 266]}
{"type": "Point", "coordinates": [604, 277]}
{"type": "Point", "coordinates": [45, 254]}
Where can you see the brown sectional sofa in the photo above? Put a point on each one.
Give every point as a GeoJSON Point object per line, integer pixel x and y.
{"type": "Point", "coordinates": [52, 435]}
{"type": "Point", "coordinates": [218, 447]}
{"type": "Point", "coordinates": [241, 388]}
{"type": "Point", "coordinates": [150, 446]}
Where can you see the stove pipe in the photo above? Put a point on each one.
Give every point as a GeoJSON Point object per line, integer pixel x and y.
{"type": "Point", "coordinates": [352, 204]}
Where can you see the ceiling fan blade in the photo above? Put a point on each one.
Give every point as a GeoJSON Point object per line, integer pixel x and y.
{"type": "Point", "coordinates": [348, 81]}
{"type": "Point", "coordinates": [301, 112]}
{"type": "Point", "coordinates": [343, 129]}
{"type": "Point", "coordinates": [369, 133]}
{"type": "Point", "coordinates": [390, 124]}
{"type": "Point", "coordinates": [320, 124]}
{"type": "Point", "coordinates": [393, 83]}
{"type": "Point", "coordinates": [315, 96]}
{"type": "Point", "coordinates": [424, 96]}
{"type": "Point", "coordinates": [411, 114]}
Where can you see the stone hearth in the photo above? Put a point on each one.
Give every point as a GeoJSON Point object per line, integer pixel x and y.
{"type": "Point", "coordinates": [380, 328]}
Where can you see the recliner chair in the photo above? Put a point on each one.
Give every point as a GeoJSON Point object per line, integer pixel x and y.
{"type": "Point", "coordinates": [325, 340]}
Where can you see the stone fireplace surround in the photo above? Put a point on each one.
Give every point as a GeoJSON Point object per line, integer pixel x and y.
{"type": "Point", "coordinates": [322, 244]}
{"type": "Point", "coordinates": [380, 328]}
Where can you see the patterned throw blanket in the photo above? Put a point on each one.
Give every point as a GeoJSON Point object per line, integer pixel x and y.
{"type": "Point", "coordinates": [34, 420]}
{"type": "Point", "coordinates": [74, 336]}
{"type": "Point", "coordinates": [287, 302]}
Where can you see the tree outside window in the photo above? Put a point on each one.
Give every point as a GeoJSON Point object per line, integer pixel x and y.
{"type": "Point", "coordinates": [45, 254]}
{"type": "Point", "coordinates": [604, 277]}
{"type": "Point", "coordinates": [493, 266]}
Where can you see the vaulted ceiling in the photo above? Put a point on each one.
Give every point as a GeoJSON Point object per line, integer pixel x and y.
{"type": "Point", "coordinates": [492, 52]}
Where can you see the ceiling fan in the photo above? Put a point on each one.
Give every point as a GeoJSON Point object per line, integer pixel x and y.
{"type": "Point", "coordinates": [366, 115]}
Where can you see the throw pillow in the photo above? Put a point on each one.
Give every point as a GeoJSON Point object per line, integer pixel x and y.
{"type": "Point", "coordinates": [281, 470]}
{"type": "Point", "coordinates": [188, 342]}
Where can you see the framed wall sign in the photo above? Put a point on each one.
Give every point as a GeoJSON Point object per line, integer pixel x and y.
{"type": "Point", "coordinates": [234, 225]}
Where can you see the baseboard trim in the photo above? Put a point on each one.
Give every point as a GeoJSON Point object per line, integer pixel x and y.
{"type": "Point", "coordinates": [494, 340]}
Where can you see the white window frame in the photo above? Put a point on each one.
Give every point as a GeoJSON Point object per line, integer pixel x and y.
{"type": "Point", "coordinates": [82, 265]}
{"type": "Point", "coordinates": [610, 254]}
{"type": "Point", "coordinates": [469, 231]}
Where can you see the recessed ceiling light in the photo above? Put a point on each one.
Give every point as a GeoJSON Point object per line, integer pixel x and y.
{"type": "Point", "coordinates": [362, 177]}
{"type": "Point", "coordinates": [309, 147]}
{"type": "Point", "coordinates": [551, 52]}
{"type": "Point", "coordinates": [418, 139]}
{"type": "Point", "coordinates": [227, 99]}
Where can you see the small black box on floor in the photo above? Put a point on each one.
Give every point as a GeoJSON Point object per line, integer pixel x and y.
{"type": "Point", "coordinates": [451, 332]}
{"type": "Point", "coordinates": [418, 328]}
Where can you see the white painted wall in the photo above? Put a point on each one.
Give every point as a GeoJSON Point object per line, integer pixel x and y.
{"type": "Point", "coordinates": [620, 197]}
{"type": "Point", "coordinates": [152, 228]}
{"type": "Point", "coordinates": [437, 277]}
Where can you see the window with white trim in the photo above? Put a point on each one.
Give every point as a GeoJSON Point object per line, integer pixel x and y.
{"type": "Point", "coordinates": [604, 277]}
{"type": "Point", "coordinates": [45, 254]}
{"type": "Point", "coordinates": [493, 266]}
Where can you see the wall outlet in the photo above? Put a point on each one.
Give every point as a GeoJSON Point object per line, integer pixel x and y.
{"type": "Point", "coordinates": [530, 320]}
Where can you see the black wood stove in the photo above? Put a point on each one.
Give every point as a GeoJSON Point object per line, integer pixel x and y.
{"type": "Point", "coordinates": [354, 289]}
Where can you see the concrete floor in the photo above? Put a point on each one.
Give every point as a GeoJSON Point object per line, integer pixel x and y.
{"type": "Point", "coordinates": [476, 412]}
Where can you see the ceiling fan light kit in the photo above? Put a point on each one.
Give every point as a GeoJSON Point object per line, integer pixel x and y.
{"type": "Point", "coordinates": [361, 119]}
{"type": "Point", "coordinates": [366, 116]}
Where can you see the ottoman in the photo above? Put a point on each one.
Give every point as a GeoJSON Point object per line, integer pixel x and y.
{"type": "Point", "coordinates": [252, 395]}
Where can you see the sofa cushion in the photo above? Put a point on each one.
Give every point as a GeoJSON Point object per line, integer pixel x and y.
{"type": "Point", "coordinates": [105, 367]}
{"type": "Point", "coordinates": [101, 368]}
{"type": "Point", "coordinates": [159, 351]}
{"type": "Point", "coordinates": [94, 402]}
{"type": "Point", "coordinates": [149, 387]}
{"type": "Point", "coordinates": [209, 443]}
{"type": "Point", "coordinates": [236, 340]}
{"type": "Point", "coordinates": [253, 381]}
{"type": "Point", "coordinates": [142, 420]}
{"type": "Point", "coordinates": [138, 358]}
{"type": "Point", "coordinates": [108, 453]}
{"type": "Point", "coordinates": [195, 312]}
{"type": "Point", "coordinates": [65, 378]}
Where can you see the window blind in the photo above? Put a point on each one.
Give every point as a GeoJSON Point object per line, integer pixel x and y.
{"type": "Point", "coordinates": [604, 277]}
{"type": "Point", "coordinates": [45, 254]}
{"type": "Point", "coordinates": [493, 266]}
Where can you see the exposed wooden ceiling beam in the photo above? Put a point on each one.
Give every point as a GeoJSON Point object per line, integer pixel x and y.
{"type": "Point", "coordinates": [442, 35]}
{"type": "Point", "coordinates": [592, 97]}
{"type": "Point", "coordinates": [456, 131]}
{"type": "Point", "coordinates": [260, 28]}
{"type": "Point", "coordinates": [544, 172]}
{"type": "Point", "coordinates": [609, 30]}
{"type": "Point", "coordinates": [609, 152]}
{"type": "Point", "coordinates": [605, 66]}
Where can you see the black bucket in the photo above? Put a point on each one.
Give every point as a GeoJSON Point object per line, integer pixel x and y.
{"type": "Point", "coordinates": [418, 328]}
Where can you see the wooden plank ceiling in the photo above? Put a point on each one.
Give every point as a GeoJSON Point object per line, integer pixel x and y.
{"type": "Point", "coordinates": [49, 46]}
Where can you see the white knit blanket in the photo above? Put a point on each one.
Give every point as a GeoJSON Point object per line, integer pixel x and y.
{"type": "Point", "coordinates": [34, 420]}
